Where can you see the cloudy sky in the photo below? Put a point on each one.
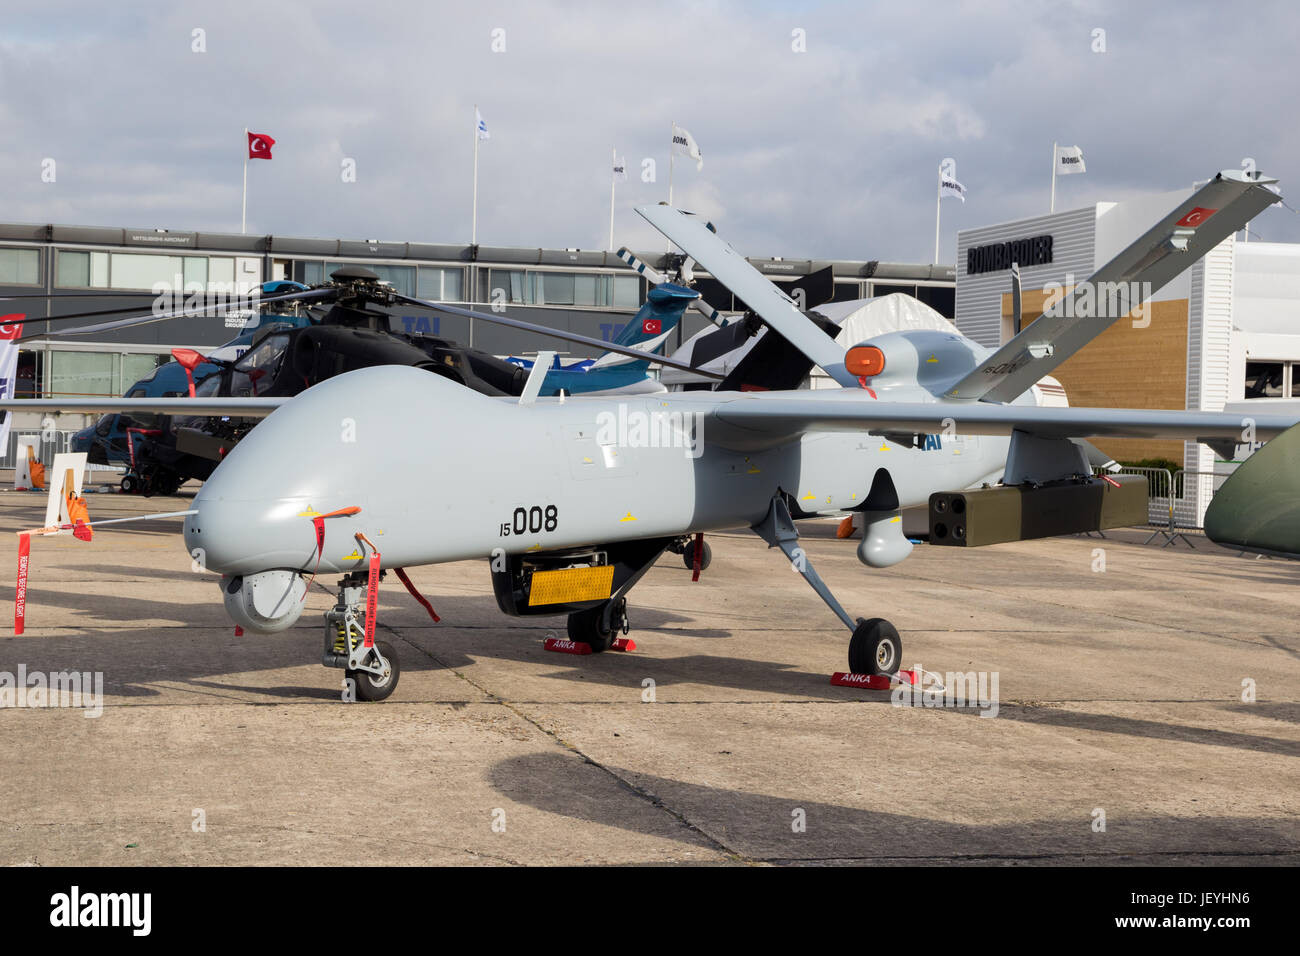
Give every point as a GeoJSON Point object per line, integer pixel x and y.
{"type": "Point", "coordinates": [830, 153]}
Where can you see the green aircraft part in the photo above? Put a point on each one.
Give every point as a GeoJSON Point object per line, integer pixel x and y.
{"type": "Point", "coordinates": [1258, 507]}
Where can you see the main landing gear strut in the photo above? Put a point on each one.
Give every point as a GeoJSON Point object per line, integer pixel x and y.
{"type": "Point", "coordinates": [875, 647]}
{"type": "Point", "coordinates": [373, 670]}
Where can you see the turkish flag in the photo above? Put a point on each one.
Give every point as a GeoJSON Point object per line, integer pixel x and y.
{"type": "Point", "coordinates": [11, 325]}
{"type": "Point", "coordinates": [259, 146]}
{"type": "Point", "coordinates": [1197, 216]}
{"type": "Point", "coordinates": [651, 326]}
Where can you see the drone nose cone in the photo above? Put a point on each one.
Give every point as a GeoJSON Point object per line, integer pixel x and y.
{"type": "Point", "coordinates": [351, 442]}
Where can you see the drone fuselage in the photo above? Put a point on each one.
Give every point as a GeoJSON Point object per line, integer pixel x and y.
{"type": "Point", "coordinates": [441, 473]}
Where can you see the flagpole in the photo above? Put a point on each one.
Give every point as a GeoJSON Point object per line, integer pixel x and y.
{"type": "Point", "coordinates": [938, 198]}
{"type": "Point", "coordinates": [671, 149]}
{"type": "Point", "coordinates": [1053, 209]}
{"type": "Point", "coordinates": [243, 215]}
{"type": "Point", "coordinates": [473, 234]}
{"type": "Point", "coordinates": [612, 179]}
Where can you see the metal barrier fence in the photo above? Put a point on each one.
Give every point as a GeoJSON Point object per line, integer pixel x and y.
{"type": "Point", "coordinates": [1160, 504]}
{"type": "Point", "coordinates": [1171, 514]}
{"type": "Point", "coordinates": [48, 443]}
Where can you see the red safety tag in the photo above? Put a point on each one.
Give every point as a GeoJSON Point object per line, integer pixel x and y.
{"type": "Point", "coordinates": [698, 559]}
{"type": "Point", "coordinates": [372, 599]}
{"type": "Point", "coordinates": [401, 576]}
{"type": "Point", "coordinates": [20, 596]}
{"type": "Point", "coordinates": [1109, 480]}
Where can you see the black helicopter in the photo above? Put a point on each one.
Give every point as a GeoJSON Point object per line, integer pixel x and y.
{"type": "Point", "coordinates": [284, 359]}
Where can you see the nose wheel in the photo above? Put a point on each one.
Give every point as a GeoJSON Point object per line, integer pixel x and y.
{"type": "Point", "coordinates": [371, 686]}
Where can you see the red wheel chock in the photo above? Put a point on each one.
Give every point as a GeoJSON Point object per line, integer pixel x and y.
{"type": "Point", "coordinates": [873, 681]}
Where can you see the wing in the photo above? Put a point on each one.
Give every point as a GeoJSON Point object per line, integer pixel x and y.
{"type": "Point", "coordinates": [1216, 210]}
{"type": "Point", "coordinates": [771, 304]}
{"type": "Point", "coordinates": [761, 421]}
{"type": "Point", "coordinates": [237, 407]}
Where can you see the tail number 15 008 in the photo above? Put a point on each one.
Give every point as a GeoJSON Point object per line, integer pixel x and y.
{"type": "Point", "coordinates": [532, 520]}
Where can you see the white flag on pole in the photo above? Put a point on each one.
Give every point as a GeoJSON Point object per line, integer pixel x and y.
{"type": "Point", "coordinates": [950, 187]}
{"type": "Point", "coordinates": [481, 123]}
{"type": "Point", "coordinates": [1069, 159]}
{"type": "Point", "coordinates": [620, 169]}
{"type": "Point", "coordinates": [684, 143]}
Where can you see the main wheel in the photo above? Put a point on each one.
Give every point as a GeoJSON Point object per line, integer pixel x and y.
{"type": "Point", "coordinates": [130, 484]}
{"type": "Point", "coordinates": [875, 647]}
{"type": "Point", "coordinates": [688, 556]}
{"type": "Point", "coordinates": [586, 627]}
{"type": "Point", "coordinates": [371, 687]}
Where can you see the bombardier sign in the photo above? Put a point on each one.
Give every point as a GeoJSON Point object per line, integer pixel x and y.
{"type": "Point", "coordinates": [1036, 251]}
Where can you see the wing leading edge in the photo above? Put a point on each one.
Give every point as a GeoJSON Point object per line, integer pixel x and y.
{"type": "Point", "coordinates": [759, 421]}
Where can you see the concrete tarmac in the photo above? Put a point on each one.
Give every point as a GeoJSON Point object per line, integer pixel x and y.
{"type": "Point", "coordinates": [1145, 710]}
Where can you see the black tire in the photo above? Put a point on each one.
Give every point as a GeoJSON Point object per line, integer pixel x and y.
{"type": "Point", "coordinates": [130, 485]}
{"type": "Point", "coordinates": [875, 647]}
{"type": "Point", "coordinates": [372, 688]}
{"type": "Point", "coordinates": [167, 485]}
{"type": "Point", "coordinates": [585, 627]}
{"type": "Point", "coordinates": [688, 556]}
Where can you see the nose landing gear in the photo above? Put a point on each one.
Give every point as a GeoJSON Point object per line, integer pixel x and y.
{"type": "Point", "coordinates": [373, 670]}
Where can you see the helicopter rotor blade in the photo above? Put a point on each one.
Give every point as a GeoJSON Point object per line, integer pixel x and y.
{"type": "Point", "coordinates": [197, 310]}
{"type": "Point", "coordinates": [574, 337]}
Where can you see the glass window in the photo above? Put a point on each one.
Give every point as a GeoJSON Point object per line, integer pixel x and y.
{"type": "Point", "coordinates": [511, 284]}
{"type": "Point", "coordinates": [256, 371]}
{"type": "Point", "coordinates": [585, 289]}
{"type": "Point", "coordinates": [99, 270]}
{"type": "Point", "coordinates": [309, 273]}
{"type": "Point", "coordinates": [1264, 379]}
{"type": "Point", "coordinates": [82, 373]}
{"type": "Point", "coordinates": [440, 285]}
{"type": "Point", "coordinates": [20, 267]}
{"type": "Point", "coordinates": [131, 270]}
{"type": "Point", "coordinates": [138, 367]}
{"type": "Point", "coordinates": [627, 292]}
{"type": "Point", "coordinates": [557, 288]}
{"type": "Point", "coordinates": [1295, 379]}
{"type": "Point", "coordinates": [72, 270]}
{"type": "Point", "coordinates": [221, 269]}
{"type": "Point", "coordinates": [196, 271]}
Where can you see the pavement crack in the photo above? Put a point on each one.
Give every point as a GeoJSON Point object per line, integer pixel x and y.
{"type": "Point", "coordinates": [637, 791]}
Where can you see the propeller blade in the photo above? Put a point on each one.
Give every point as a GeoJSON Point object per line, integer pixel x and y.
{"type": "Point", "coordinates": [554, 333]}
